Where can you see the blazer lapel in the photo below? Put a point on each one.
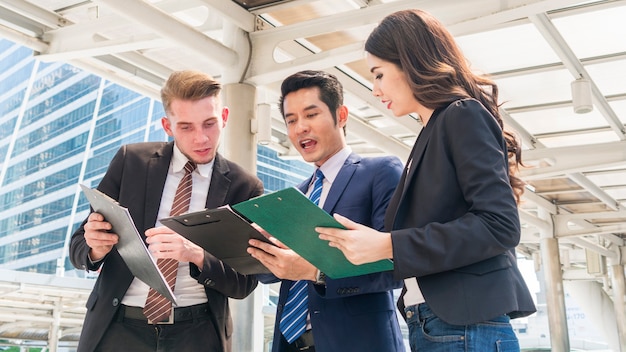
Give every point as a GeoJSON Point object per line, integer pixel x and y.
{"type": "Point", "coordinates": [341, 182]}
{"type": "Point", "coordinates": [408, 176]}
{"type": "Point", "coordinates": [220, 183]}
{"type": "Point", "coordinates": [416, 157]}
{"type": "Point", "coordinates": [158, 165]}
{"type": "Point", "coordinates": [304, 186]}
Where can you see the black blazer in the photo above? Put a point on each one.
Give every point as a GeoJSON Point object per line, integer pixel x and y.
{"type": "Point", "coordinates": [135, 178]}
{"type": "Point", "coordinates": [454, 222]}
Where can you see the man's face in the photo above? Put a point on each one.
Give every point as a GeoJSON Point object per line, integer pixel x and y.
{"type": "Point", "coordinates": [196, 127]}
{"type": "Point", "coordinates": [311, 127]}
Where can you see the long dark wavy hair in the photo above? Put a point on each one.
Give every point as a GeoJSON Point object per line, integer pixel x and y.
{"type": "Point", "coordinates": [438, 72]}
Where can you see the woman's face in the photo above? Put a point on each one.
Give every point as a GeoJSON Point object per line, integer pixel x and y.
{"type": "Point", "coordinates": [392, 87]}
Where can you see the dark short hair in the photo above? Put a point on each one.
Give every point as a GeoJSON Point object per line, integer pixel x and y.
{"type": "Point", "coordinates": [330, 89]}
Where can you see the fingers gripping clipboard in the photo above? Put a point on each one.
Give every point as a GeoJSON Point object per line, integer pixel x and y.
{"type": "Point", "coordinates": [131, 245]}
{"type": "Point", "coordinates": [223, 233]}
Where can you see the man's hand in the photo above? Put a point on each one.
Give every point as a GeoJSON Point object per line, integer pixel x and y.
{"type": "Point", "coordinates": [165, 243]}
{"type": "Point", "coordinates": [282, 261]}
{"type": "Point", "coordinates": [97, 236]}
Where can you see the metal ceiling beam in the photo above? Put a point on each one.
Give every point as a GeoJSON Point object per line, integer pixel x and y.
{"type": "Point", "coordinates": [130, 80]}
{"type": "Point", "coordinates": [565, 218]}
{"type": "Point", "coordinates": [266, 41]}
{"type": "Point", "coordinates": [579, 158]}
{"type": "Point", "coordinates": [143, 63]}
{"type": "Point", "coordinates": [64, 48]}
{"type": "Point", "coordinates": [526, 138]}
{"type": "Point", "coordinates": [364, 93]}
{"type": "Point", "coordinates": [264, 70]}
{"type": "Point", "coordinates": [22, 39]}
{"type": "Point", "coordinates": [35, 13]}
{"type": "Point", "coordinates": [534, 221]}
{"type": "Point", "coordinates": [177, 32]}
{"type": "Point", "coordinates": [576, 68]}
{"type": "Point", "coordinates": [374, 136]}
{"type": "Point", "coordinates": [233, 13]}
{"type": "Point", "coordinates": [539, 201]}
{"type": "Point", "coordinates": [280, 6]}
{"type": "Point", "coordinates": [581, 242]}
{"type": "Point", "coordinates": [507, 16]}
{"type": "Point", "coordinates": [596, 191]}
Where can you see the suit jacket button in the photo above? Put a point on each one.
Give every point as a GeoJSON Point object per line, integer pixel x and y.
{"type": "Point", "coordinates": [115, 302]}
{"type": "Point", "coordinates": [209, 282]}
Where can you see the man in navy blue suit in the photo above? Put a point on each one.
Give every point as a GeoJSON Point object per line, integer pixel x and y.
{"type": "Point", "coordinates": [349, 314]}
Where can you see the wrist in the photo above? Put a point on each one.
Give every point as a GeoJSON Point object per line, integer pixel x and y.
{"type": "Point", "coordinates": [198, 259]}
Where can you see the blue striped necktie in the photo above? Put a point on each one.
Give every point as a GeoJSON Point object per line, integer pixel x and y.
{"type": "Point", "coordinates": [293, 320]}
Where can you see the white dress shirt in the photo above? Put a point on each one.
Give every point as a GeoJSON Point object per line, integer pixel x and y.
{"type": "Point", "coordinates": [187, 289]}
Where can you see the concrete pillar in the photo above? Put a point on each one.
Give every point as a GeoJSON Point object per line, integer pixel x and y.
{"type": "Point", "coordinates": [597, 306]}
{"type": "Point", "coordinates": [238, 145]}
{"type": "Point", "coordinates": [238, 141]}
{"type": "Point", "coordinates": [53, 335]}
{"type": "Point", "coordinates": [619, 296]}
{"type": "Point", "coordinates": [555, 296]}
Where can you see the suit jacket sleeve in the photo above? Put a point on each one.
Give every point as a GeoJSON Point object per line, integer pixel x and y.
{"type": "Point", "coordinates": [215, 274]}
{"type": "Point", "coordinates": [386, 173]}
{"type": "Point", "coordinates": [110, 185]}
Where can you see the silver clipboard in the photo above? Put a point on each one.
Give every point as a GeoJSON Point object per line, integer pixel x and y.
{"type": "Point", "coordinates": [130, 244]}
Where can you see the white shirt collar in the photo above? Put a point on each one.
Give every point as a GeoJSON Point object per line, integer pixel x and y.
{"type": "Point", "coordinates": [333, 165]}
{"type": "Point", "coordinates": [179, 160]}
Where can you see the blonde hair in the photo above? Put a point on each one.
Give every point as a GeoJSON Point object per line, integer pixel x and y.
{"type": "Point", "coordinates": [188, 85]}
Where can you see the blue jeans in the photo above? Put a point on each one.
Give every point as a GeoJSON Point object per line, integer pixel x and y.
{"type": "Point", "coordinates": [429, 333]}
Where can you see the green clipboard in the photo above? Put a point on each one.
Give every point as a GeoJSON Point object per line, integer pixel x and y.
{"type": "Point", "coordinates": [292, 218]}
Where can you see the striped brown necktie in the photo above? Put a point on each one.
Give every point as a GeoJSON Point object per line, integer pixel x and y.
{"type": "Point", "coordinates": [157, 307]}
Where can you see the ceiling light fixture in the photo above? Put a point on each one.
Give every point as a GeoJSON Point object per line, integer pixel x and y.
{"type": "Point", "coordinates": [581, 96]}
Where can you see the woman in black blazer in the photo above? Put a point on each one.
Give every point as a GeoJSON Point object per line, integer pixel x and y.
{"type": "Point", "coordinates": [453, 221]}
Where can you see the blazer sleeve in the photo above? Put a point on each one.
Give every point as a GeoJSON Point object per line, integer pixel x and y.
{"type": "Point", "coordinates": [461, 195]}
{"type": "Point", "coordinates": [217, 275]}
{"type": "Point", "coordinates": [386, 174]}
{"type": "Point", "coordinates": [79, 250]}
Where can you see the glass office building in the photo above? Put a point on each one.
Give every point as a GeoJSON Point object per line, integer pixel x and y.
{"type": "Point", "coordinates": [60, 126]}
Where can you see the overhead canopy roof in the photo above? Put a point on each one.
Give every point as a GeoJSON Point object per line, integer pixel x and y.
{"type": "Point", "coordinates": [36, 307]}
{"type": "Point", "coordinates": [534, 49]}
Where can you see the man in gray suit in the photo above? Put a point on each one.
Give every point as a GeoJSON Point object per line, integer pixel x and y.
{"type": "Point", "coordinates": [144, 178]}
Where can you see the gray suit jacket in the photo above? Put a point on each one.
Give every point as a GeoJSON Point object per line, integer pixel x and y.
{"type": "Point", "coordinates": [135, 178]}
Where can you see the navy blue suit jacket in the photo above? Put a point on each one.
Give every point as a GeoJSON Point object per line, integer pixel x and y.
{"type": "Point", "coordinates": [357, 313]}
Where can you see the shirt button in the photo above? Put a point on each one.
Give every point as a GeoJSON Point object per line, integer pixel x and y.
{"type": "Point", "coordinates": [409, 314]}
